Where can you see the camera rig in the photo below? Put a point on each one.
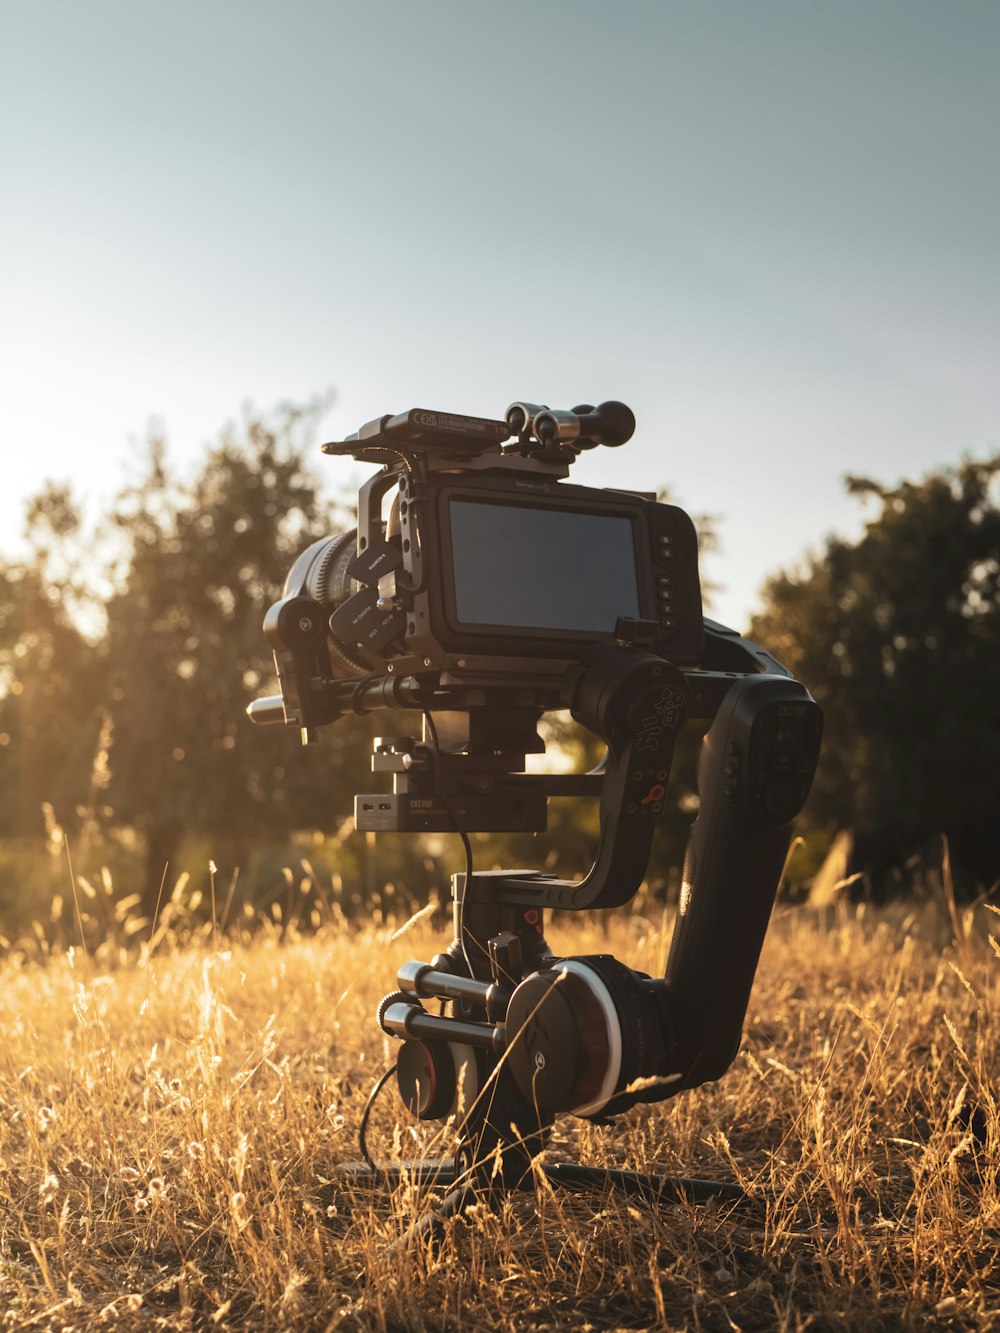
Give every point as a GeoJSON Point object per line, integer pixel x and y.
{"type": "Point", "coordinates": [490, 593]}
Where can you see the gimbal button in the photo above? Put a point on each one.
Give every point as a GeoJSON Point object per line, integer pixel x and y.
{"type": "Point", "coordinates": [782, 798]}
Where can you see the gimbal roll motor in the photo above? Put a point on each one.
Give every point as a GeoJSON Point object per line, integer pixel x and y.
{"type": "Point", "coordinates": [490, 592]}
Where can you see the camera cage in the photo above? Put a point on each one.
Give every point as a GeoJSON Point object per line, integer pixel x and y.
{"type": "Point", "coordinates": [429, 478]}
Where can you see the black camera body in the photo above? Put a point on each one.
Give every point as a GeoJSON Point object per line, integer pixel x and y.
{"type": "Point", "coordinates": [526, 569]}
{"type": "Point", "coordinates": [490, 564]}
{"type": "Point", "coordinates": [490, 592]}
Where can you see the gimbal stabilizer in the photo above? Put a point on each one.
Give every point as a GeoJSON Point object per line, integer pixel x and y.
{"type": "Point", "coordinates": [524, 1036]}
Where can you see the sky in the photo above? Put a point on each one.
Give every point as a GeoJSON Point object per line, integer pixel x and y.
{"type": "Point", "coordinates": [772, 228]}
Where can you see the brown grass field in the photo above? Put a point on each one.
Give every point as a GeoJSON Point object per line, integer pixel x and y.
{"type": "Point", "coordinates": [173, 1116]}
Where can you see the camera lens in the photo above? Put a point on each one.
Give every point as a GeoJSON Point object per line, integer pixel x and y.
{"type": "Point", "coordinates": [321, 573]}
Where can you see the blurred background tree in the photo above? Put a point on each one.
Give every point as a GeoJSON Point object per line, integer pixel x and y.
{"type": "Point", "coordinates": [898, 636]}
{"type": "Point", "coordinates": [129, 651]}
{"type": "Point", "coordinates": [52, 680]}
{"type": "Point", "coordinates": [186, 654]}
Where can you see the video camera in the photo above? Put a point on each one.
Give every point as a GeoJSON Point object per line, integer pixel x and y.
{"type": "Point", "coordinates": [481, 591]}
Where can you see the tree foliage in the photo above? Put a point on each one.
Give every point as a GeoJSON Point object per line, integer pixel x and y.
{"type": "Point", "coordinates": [186, 653]}
{"type": "Point", "coordinates": [51, 678]}
{"type": "Point", "coordinates": [130, 648]}
{"type": "Point", "coordinates": [128, 655]}
{"type": "Point", "coordinates": [898, 636]}
{"type": "Point", "coordinates": [129, 651]}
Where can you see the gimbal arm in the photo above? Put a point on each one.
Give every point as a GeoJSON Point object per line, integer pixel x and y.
{"type": "Point", "coordinates": [637, 703]}
{"type": "Point", "coordinates": [756, 766]}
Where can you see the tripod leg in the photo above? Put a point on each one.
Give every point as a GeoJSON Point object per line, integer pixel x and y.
{"type": "Point", "coordinates": [430, 1228]}
{"type": "Point", "coordinates": [640, 1185]}
{"type": "Point", "coordinates": [502, 1137]}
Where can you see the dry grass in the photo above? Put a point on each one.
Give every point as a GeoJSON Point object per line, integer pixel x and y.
{"type": "Point", "coordinates": [172, 1124]}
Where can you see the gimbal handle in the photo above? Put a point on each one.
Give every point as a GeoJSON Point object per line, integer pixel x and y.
{"type": "Point", "coordinates": [755, 769]}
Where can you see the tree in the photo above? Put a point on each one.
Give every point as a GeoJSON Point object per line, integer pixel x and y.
{"type": "Point", "coordinates": [51, 675]}
{"type": "Point", "coordinates": [186, 652]}
{"type": "Point", "coordinates": [129, 651]}
{"type": "Point", "coordinates": [898, 636]}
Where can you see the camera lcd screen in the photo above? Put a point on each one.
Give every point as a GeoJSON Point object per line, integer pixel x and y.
{"type": "Point", "coordinates": [544, 569]}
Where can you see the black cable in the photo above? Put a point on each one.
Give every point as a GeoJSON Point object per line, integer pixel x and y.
{"type": "Point", "coordinates": [366, 1113]}
{"type": "Point", "coordinates": [446, 802]}
{"type": "Point", "coordinates": [370, 453]}
{"type": "Point", "coordinates": [409, 459]}
{"type": "Point", "coordinates": [360, 685]}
